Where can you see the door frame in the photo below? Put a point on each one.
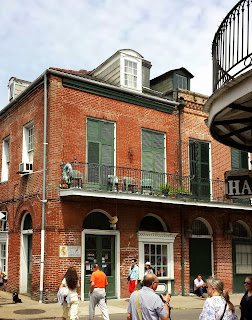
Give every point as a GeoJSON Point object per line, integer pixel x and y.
{"type": "Point", "coordinates": [210, 237]}
{"type": "Point", "coordinates": [115, 233]}
{"type": "Point", "coordinates": [23, 277]}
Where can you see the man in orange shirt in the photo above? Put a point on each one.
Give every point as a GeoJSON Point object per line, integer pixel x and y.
{"type": "Point", "coordinates": [98, 293]}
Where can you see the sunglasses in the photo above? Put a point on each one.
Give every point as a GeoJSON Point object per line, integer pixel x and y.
{"type": "Point", "coordinates": [247, 282]}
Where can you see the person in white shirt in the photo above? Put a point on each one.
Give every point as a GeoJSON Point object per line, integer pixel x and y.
{"type": "Point", "coordinates": [218, 306]}
{"type": "Point", "coordinates": [199, 286]}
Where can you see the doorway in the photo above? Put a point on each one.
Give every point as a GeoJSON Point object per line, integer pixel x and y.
{"type": "Point", "coordinates": [26, 255]}
{"type": "Point", "coordinates": [100, 249]}
{"type": "Point", "coordinates": [200, 252]}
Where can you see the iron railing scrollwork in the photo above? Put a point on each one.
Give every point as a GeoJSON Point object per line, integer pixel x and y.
{"type": "Point", "coordinates": [231, 48]}
{"type": "Point", "coordinates": [95, 177]}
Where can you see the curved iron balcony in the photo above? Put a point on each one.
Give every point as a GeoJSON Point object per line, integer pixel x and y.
{"type": "Point", "coordinates": [229, 108]}
{"type": "Point", "coordinates": [231, 48]}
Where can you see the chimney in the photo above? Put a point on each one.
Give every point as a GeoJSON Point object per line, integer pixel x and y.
{"type": "Point", "coordinates": [15, 87]}
{"type": "Point", "coordinates": [146, 65]}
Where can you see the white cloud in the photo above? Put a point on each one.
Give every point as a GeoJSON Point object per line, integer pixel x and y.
{"type": "Point", "coordinates": [81, 34]}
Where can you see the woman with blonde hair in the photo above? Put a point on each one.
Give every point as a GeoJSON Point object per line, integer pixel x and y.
{"type": "Point", "coordinates": [217, 306]}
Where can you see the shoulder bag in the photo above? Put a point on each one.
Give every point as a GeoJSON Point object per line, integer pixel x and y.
{"type": "Point", "coordinates": [223, 312]}
{"type": "Point", "coordinates": [139, 312]}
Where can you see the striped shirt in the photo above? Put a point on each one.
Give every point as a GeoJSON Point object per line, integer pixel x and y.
{"type": "Point", "coordinates": [152, 307]}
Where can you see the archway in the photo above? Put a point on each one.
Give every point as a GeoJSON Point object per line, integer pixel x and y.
{"type": "Point", "coordinates": [100, 242]}
{"type": "Point", "coordinates": [26, 253]}
{"type": "Point", "coordinates": [241, 254]}
{"type": "Point", "coordinates": [200, 250]}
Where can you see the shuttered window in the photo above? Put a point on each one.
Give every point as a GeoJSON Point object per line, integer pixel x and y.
{"type": "Point", "coordinates": [239, 159]}
{"type": "Point", "coordinates": [100, 140]}
{"type": "Point", "coordinates": [153, 151]}
{"type": "Point", "coordinates": [199, 168]}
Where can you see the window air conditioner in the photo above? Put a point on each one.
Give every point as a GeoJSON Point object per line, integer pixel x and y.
{"type": "Point", "coordinates": [25, 167]}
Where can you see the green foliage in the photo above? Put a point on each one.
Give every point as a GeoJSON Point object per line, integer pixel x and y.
{"type": "Point", "coordinates": [165, 188]}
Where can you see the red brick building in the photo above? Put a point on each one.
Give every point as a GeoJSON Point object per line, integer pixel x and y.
{"type": "Point", "coordinates": [103, 166]}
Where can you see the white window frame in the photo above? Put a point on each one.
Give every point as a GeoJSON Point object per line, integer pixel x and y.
{"type": "Point", "coordinates": [4, 242]}
{"type": "Point", "coordinates": [244, 251]}
{"type": "Point", "coordinates": [163, 238]}
{"type": "Point", "coordinates": [28, 143]}
{"type": "Point", "coordinates": [130, 74]}
{"type": "Point", "coordinates": [138, 62]}
{"type": "Point", "coordinates": [5, 159]}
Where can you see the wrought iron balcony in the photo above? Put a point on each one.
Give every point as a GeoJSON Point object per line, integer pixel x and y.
{"type": "Point", "coordinates": [231, 48]}
{"type": "Point", "coordinates": [95, 177]}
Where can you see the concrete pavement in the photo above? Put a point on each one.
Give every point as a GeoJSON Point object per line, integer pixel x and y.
{"type": "Point", "coordinates": [30, 309]}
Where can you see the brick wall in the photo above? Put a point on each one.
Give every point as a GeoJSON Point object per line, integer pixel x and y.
{"type": "Point", "coordinates": [68, 110]}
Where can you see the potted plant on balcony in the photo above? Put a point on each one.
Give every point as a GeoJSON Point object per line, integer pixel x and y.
{"type": "Point", "coordinates": [165, 188]}
{"type": "Point", "coordinates": [183, 192]}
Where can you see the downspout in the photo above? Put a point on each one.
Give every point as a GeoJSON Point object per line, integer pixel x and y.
{"type": "Point", "coordinates": [182, 253]}
{"type": "Point", "coordinates": [44, 201]}
{"type": "Point", "coordinates": [181, 108]}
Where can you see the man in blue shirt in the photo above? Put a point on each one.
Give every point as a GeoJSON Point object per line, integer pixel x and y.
{"type": "Point", "coordinates": [133, 276]}
{"type": "Point", "coordinates": [147, 302]}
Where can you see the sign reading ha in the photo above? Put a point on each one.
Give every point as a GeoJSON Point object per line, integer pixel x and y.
{"type": "Point", "coordinates": [238, 184]}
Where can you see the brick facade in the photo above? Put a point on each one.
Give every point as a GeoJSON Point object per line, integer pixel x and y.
{"type": "Point", "coordinates": [68, 110]}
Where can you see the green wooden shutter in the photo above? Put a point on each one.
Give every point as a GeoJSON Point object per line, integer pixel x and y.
{"type": "Point", "coordinates": [93, 129]}
{"type": "Point", "coordinates": [100, 139]}
{"type": "Point", "coordinates": [153, 149]}
{"type": "Point", "coordinates": [239, 159]}
{"type": "Point", "coordinates": [199, 168]}
{"type": "Point", "coordinates": [235, 159]}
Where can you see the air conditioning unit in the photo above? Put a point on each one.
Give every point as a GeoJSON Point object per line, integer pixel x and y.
{"type": "Point", "coordinates": [25, 167]}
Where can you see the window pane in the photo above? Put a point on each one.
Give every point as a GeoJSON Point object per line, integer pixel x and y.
{"type": "Point", "coordinates": [158, 258]}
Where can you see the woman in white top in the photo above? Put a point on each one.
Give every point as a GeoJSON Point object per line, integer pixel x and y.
{"type": "Point", "coordinates": [148, 268]}
{"type": "Point", "coordinates": [218, 306]}
{"type": "Point", "coordinates": [71, 282]}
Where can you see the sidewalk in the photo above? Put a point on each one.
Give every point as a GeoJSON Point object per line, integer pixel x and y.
{"type": "Point", "coordinates": [30, 309]}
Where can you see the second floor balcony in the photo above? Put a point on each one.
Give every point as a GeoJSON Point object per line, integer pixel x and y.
{"type": "Point", "coordinates": [89, 179]}
{"type": "Point", "coordinates": [230, 105]}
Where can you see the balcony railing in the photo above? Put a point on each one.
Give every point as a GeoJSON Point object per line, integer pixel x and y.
{"type": "Point", "coordinates": [231, 48]}
{"type": "Point", "coordinates": [94, 177]}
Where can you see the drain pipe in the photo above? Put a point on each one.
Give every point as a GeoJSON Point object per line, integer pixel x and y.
{"type": "Point", "coordinates": [181, 108]}
{"type": "Point", "coordinates": [44, 201]}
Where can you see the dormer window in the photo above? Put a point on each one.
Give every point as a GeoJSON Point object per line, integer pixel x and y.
{"type": "Point", "coordinates": [181, 81]}
{"type": "Point", "coordinates": [130, 74]}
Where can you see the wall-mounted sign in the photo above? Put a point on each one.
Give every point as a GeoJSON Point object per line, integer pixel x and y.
{"type": "Point", "coordinates": [3, 215]}
{"type": "Point", "coordinates": [238, 184]}
{"type": "Point", "coordinates": [90, 256]}
{"type": "Point", "coordinates": [70, 251]}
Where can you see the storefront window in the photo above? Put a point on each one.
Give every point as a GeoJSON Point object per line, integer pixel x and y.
{"type": "Point", "coordinates": [243, 258]}
{"type": "Point", "coordinates": [156, 254]}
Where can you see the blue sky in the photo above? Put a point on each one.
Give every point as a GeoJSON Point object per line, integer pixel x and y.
{"type": "Point", "coordinates": [81, 34]}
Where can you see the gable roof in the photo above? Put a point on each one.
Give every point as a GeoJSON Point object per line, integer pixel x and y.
{"type": "Point", "coordinates": [168, 73]}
